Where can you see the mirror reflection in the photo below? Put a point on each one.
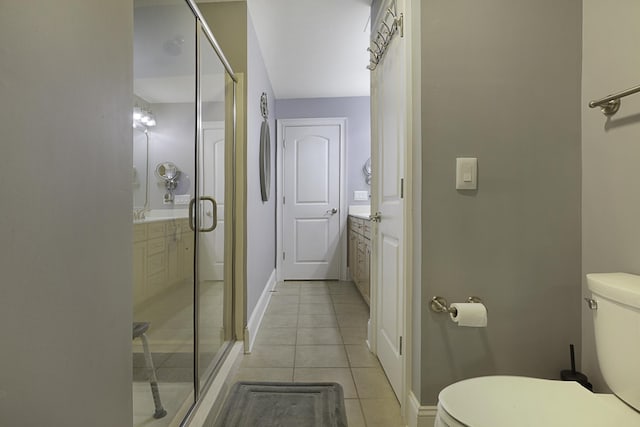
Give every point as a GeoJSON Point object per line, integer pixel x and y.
{"type": "Point", "coordinates": [163, 243]}
{"type": "Point", "coordinates": [170, 174]}
{"type": "Point", "coordinates": [140, 171]}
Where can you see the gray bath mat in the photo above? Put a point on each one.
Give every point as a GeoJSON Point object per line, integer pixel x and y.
{"type": "Point", "coordinates": [258, 404]}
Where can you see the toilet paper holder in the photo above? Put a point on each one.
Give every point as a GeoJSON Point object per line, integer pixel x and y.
{"type": "Point", "coordinates": [440, 305]}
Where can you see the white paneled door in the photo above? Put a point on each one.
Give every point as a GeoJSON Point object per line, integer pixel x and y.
{"type": "Point", "coordinates": [212, 185]}
{"type": "Point", "coordinates": [390, 129]}
{"type": "Point", "coordinates": [311, 203]}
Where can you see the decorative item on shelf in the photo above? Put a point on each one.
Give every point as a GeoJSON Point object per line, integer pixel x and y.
{"type": "Point", "coordinates": [143, 118]}
{"type": "Point", "coordinates": [170, 173]}
{"type": "Point", "coordinates": [366, 170]}
{"type": "Point", "coordinates": [265, 150]}
{"type": "Point", "coordinates": [380, 42]}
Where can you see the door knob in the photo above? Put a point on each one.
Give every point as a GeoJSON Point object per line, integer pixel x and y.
{"type": "Point", "coordinates": [376, 217]}
{"type": "Point", "coordinates": [332, 211]}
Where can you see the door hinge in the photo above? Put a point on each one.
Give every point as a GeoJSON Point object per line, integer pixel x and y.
{"type": "Point", "coordinates": [284, 144]}
{"type": "Point", "coordinates": [402, 188]}
{"type": "Point", "coordinates": [283, 256]}
{"type": "Point", "coordinates": [283, 200]}
{"type": "Point", "coordinates": [400, 346]}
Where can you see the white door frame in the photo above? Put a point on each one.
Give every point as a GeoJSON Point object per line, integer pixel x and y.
{"type": "Point", "coordinates": [216, 125]}
{"type": "Point", "coordinates": [342, 209]}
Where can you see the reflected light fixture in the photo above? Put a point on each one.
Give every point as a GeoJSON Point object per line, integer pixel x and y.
{"type": "Point", "coordinates": [143, 118]}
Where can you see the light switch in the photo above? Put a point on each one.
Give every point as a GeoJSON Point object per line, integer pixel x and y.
{"type": "Point", "coordinates": [182, 199]}
{"type": "Point", "coordinates": [466, 173]}
{"type": "Point", "coordinates": [360, 195]}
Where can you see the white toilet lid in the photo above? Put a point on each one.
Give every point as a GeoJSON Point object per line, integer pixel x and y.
{"type": "Point", "coordinates": [507, 401]}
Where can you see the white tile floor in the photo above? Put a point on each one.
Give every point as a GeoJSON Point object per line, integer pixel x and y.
{"type": "Point", "coordinates": [316, 331]}
{"type": "Point", "coordinates": [173, 395]}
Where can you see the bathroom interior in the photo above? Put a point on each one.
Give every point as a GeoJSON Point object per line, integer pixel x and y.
{"type": "Point", "coordinates": [506, 82]}
{"type": "Point", "coordinates": [165, 182]}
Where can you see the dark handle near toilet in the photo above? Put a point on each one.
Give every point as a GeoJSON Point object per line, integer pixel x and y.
{"type": "Point", "coordinates": [192, 204]}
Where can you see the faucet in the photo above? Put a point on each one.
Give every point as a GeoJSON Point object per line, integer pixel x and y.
{"type": "Point", "coordinates": [139, 214]}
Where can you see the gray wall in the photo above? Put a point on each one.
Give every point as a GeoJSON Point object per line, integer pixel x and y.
{"type": "Point", "coordinates": [261, 216]}
{"type": "Point", "coordinates": [610, 151]}
{"type": "Point", "coordinates": [65, 294]}
{"type": "Point", "coordinates": [501, 82]}
{"type": "Point", "coordinates": [357, 112]}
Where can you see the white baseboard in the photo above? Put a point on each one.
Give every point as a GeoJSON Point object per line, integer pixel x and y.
{"type": "Point", "coordinates": [420, 416]}
{"type": "Point", "coordinates": [255, 320]}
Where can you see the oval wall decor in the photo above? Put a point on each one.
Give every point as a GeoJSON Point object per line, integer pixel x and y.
{"type": "Point", "coordinates": [265, 151]}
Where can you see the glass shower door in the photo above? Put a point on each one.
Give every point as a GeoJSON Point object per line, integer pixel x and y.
{"type": "Point", "coordinates": [213, 281]}
{"type": "Point", "coordinates": [164, 110]}
{"type": "Point", "coordinates": [184, 100]}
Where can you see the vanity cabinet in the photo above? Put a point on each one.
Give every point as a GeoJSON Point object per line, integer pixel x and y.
{"type": "Point", "coordinates": [162, 257]}
{"type": "Point", "coordinates": [359, 254]}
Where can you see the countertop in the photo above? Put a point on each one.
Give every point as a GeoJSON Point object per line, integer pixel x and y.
{"type": "Point", "coordinates": [360, 211]}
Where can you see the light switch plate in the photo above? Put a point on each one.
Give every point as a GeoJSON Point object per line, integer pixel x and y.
{"type": "Point", "coordinates": [360, 195]}
{"type": "Point", "coordinates": [181, 199]}
{"type": "Point", "coordinates": [466, 173]}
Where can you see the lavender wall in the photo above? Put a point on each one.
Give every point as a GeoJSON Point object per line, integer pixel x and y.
{"type": "Point", "coordinates": [610, 149]}
{"type": "Point", "coordinates": [515, 242]}
{"type": "Point", "coordinates": [357, 112]}
{"type": "Point", "coordinates": [172, 140]}
{"type": "Point", "coordinates": [261, 216]}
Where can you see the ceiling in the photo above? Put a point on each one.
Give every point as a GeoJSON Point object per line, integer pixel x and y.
{"type": "Point", "coordinates": [311, 49]}
{"type": "Point", "coordinates": [314, 48]}
{"type": "Point", "coordinates": [164, 55]}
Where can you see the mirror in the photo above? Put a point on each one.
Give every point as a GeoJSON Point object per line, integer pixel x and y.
{"type": "Point", "coordinates": [265, 150]}
{"type": "Point", "coordinates": [366, 170]}
{"type": "Point", "coordinates": [140, 170]}
{"type": "Point", "coordinates": [265, 161]}
{"type": "Point", "coordinates": [170, 173]}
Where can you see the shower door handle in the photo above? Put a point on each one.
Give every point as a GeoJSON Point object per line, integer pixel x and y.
{"type": "Point", "coordinates": [214, 215]}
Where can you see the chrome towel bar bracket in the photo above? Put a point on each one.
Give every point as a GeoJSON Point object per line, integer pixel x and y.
{"type": "Point", "coordinates": [611, 104]}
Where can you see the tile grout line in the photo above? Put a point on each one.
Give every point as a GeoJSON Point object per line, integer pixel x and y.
{"type": "Point", "coordinates": [364, 420]}
{"type": "Point", "coordinates": [295, 341]}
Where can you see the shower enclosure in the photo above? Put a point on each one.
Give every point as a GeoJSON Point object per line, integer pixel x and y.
{"type": "Point", "coordinates": [184, 144]}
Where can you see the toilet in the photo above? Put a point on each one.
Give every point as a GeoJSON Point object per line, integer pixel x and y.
{"type": "Point", "coordinates": [510, 401]}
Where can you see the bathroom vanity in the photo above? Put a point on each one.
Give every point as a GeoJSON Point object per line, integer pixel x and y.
{"type": "Point", "coordinates": [162, 256]}
{"type": "Point", "coordinates": [359, 253]}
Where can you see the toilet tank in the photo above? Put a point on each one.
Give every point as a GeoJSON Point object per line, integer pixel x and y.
{"type": "Point", "coordinates": [617, 332]}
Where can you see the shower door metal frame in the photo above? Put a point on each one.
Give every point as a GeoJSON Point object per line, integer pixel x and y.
{"type": "Point", "coordinates": [230, 241]}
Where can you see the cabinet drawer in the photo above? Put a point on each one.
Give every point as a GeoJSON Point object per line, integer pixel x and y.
{"type": "Point", "coordinates": [156, 263]}
{"type": "Point", "coordinates": [155, 246]}
{"type": "Point", "coordinates": [356, 225]}
{"type": "Point", "coordinates": [139, 232]}
{"type": "Point", "coordinates": [156, 229]}
{"type": "Point", "coordinates": [366, 229]}
{"type": "Point", "coordinates": [155, 281]}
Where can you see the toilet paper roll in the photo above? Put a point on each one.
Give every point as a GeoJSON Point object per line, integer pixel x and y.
{"type": "Point", "coordinates": [471, 314]}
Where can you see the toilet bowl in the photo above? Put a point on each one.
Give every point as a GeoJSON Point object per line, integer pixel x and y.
{"type": "Point", "coordinates": [511, 401]}
{"type": "Point", "coordinates": [507, 401]}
